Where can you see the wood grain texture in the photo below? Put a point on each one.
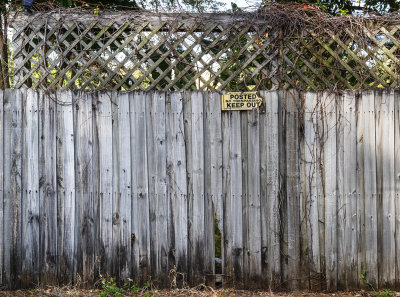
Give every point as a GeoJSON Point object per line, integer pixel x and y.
{"type": "Point", "coordinates": [330, 172]}
{"type": "Point", "coordinates": [123, 159]}
{"type": "Point", "coordinates": [271, 214]}
{"type": "Point", "coordinates": [370, 191]}
{"type": "Point", "coordinates": [293, 187]}
{"type": "Point", "coordinates": [177, 182]}
{"type": "Point", "coordinates": [12, 244]}
{"type": "Point", "coordinates": [385, 153]}
{"type": "Point", "coordinates": [157, 182]}
{"type": "Point", "coordinates": [140, 188]}
{"type": "Point", "coordinates": [85, 247]}
{"type": "Point", "coordinates": [30, 190]}
{"type": "Point", "coordinates": [65, 185]}
{"type": "Point", "coordinates": [131, 185]}
{"type": "Point", "coordinates": [350, 188]}
{"type": "Point", "coordinates": [47, 189]}
{"type": "Point", "coordinates": [312, 159]}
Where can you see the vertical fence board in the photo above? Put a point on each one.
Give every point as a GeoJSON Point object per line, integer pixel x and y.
{"type": "Point", "coordinates": [30, 190]}
{"type": "Point", "coordinates": [270, 215]}
{"type": "Point", "coordinates": [253, 199]}
{"type": "Point", "coordinates": [125, 187]}
{"type": "Point", "coordinates": [216, 168]}
{"type": "Point", "coordinates": [116, 191]}
{"type": "Point", "coordinates": [196, 203]}
{"type": "Point", "coordinates": [66, 185]}
{"type": "Point", "coordinates": [341, 210]}
{"type": "Point", "coordinates": [349, 189]}
{"type": "Point", "coordinates": [84, 207]}
{"type": "Point", "coordinates": [385, 154]}
{"type": "Point", "coordinates": [293, 187]}
{"type": "Point", "coordinates": [244, 198]}
{"type": "Point", "coordinates": [236, 199]}
{"type": "Point", "coordinates": [329, 148]}
{"type": "Point", "coordinates": [311, 142]}
{"type": "Point", "coordinates": [227, 265]}
{"type": "Point", "coordinates": [12, 186]}
{"type": "Point", "coordinates": [105, 149]}
{"type": "Point", "coordinates": [209, 213]}
{"type": "Point", "coordinates": [156, 150]}
{"type": "Point", "coordinates": [177, 183]}
{"type": "Point", "coordinates": [360, 186]}
{"type": "Point", "coordinates": [396, 99]}
{"type": "Point", "coordinates": [371, 233]}
{"type": "Point", "coordinates": [47, 188]}
{"type": "Point", "coordinates": [140, 208]}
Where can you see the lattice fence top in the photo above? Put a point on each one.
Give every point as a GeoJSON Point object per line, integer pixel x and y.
{"type": "Point", "coordinates": [132, 51]}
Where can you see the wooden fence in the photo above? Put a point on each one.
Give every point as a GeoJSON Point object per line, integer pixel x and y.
{"type": "Point", "coordinates": [172, 52]}
{"type": "Point", "coordinates": [302, 193]}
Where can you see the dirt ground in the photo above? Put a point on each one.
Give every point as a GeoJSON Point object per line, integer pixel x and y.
{"type": "Point", "coordinates": [196, 292]}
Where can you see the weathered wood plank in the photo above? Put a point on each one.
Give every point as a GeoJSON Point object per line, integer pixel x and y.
{"type": "Point", "coordinates": [105, 149]}
{"type": "Point", "coordinates": [341, 207]}
{"type": "Point", "coordinates": [140, 210]}
{"type": "Point", "coordinates": [253, 200]}
{"type": "Point", "coordinates": [216, 168]}
{"type": "Point", "coordinates": [123, 159]}
{"type": "Point", "coordinates": [271, 233]}
{"type": "Point", "coordinates": [329, 149]}
{"type": "Point", "coordinates": [244, 199]}
{"type": "Point", "coordinates": [65, 186]}
{"type": "Point", "coordinates": [209, 214]}
{"type": "Point", "coordinates": [236, 198]}
{"type": "Point", "coordinates": [47, 189]}
{"type": "Point", "coordinates": [156, 148]}
{"type": "Point", "coordinates": [30, 190]}
{"type": "Point", "coordinates": [293, 188]}
{"type": "Point", "coordinates": [13, 109]}
{"type": "Point", "coordinates": [385, 175]}
{"type": "Point", "coordinates": [370, 191]}
{"type": "Point", "coordinates": [312, 158]}
{"type": "Point", "coordinates": [350, 188]}
{"type": "Point", "coordinates": [227, 265]}
{"type": "Point", "coordinates": [195, 112]}
{"type": "Point", "coordinates": [396, 99]}
{"type": "Point", "coordinates": [116, 191]}
{"type": "Point", "coordinates": [85, 247]}
{"type": "Point", "coordinates": [360, 187]}
{"type": "Point", "coordinates": [177, 183]}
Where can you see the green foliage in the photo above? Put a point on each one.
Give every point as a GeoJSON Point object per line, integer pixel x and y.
{"type": "Point", "coordinates": [381, 293]}
{"type": "Point", "coordinates": [109, 288]}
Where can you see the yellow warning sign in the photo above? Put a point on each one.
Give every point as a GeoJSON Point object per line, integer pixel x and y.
{"type": "Point", "coordinates": [240, 101]}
